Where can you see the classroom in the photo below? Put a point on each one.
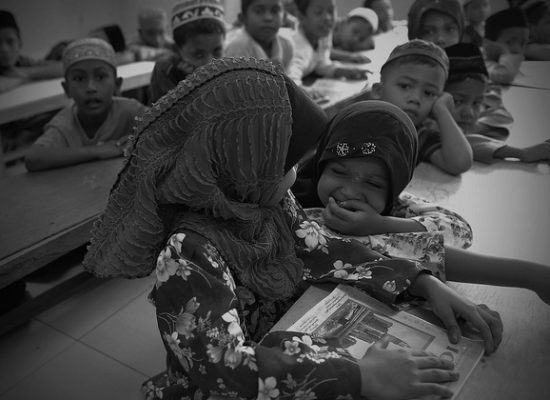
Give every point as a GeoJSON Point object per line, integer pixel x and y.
{"type": "Point", "coordinates": [116, 184]}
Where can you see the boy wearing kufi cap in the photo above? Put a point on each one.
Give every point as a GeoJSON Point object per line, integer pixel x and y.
{"type": "Point", "coordinates": [476, 13]}
{"type": "Point", "coordinates": [537, 13]}
{"type": "Point", "coordinates": [97, 124]}
{"type": "Point", "coordinates": [413, 78]}
{"type": "Point", "coordinates": [16, 68]}
{"type": "Point", "coordinates": [486, 125]}
{"type": "Point", "coordinates": [506, 35]}
{"type": "Point", "coordinates": [198, 28]}
{"type": "Point", "coordinates": [354, 33]}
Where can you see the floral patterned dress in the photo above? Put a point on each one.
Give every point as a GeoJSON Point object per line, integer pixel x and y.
{"type": "Point", "coordinates": [443, 227]}
{"type": "Point", "coordinates": [217, 332]}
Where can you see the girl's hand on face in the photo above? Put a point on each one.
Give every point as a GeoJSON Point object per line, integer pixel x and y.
{"type": "Point", "coordinates": [403, 374]}
{"type": "Point", "coordinates": [352, 217]}
{"type": "Point", "coordinates": [448, 305]}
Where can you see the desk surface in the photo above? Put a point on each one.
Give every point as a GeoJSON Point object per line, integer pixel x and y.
{"type": "Point", "coordinates": [44, 215]}
{"type": "Point", "coordinates": [41, 96]}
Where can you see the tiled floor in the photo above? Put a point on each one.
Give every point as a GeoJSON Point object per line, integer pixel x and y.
{"type": "Point", "coordinates": [99, 344]}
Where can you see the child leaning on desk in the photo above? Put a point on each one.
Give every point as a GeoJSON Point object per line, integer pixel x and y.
{"type": "Point", "coordinates": [313, 43]}
{"type": "Point", "coordinates": [413, 78]}
{"type": "Point", "coordinates": [467, 83]}
{"type": "Point", "coordinates": [353, 34]}
{"type": "Point", "coordinates": [96, 126]}
{"type": "Point", "coordinates": [363, 163]}
{"type": "Point", "coordinates": [15, 68]}
{"type": "Point", "coordinates": [260, 36]}
{"type": "Point", "coordinates": [208, 208]}
{"type": "Point", "coordinates": [198, 27]}
{"type": "Point", "coordinates": [151, 42]}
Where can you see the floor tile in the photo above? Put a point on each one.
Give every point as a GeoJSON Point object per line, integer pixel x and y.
{"type": "Point", "coordinates": [26, 349]}
{"type": "Point", "coordinates": [84, 311]}
{"type": "Point", "coordinates": [80, 373]}
{"type": "Point", "coordinates": [132, 337]}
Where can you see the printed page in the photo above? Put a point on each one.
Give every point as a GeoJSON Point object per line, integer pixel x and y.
{"type": "Point", "coordinates": [359, 321]}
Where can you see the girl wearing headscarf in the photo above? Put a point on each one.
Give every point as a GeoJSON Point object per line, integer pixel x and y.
{"type": "Point", "coordinates": [363, 163]}
{"type": "Point", "coordinates": [202, 200]}
{"type": "Point", "coordinates": [437, 21]}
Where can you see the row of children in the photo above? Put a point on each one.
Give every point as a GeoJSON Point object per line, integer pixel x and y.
{"type": "Point", "coordinates": [203, 200]}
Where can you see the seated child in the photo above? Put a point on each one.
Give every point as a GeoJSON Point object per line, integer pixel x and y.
{"type": "Point", "coordinates": [259, 35]}
{"type": "Point", "coordinates": [198, 27]}
{"type": "Point", "coordinates": [113, 35]}
{"type": "Point", "coordinates": [476, 13]}
{"type": "Point", "coordinates": [437, 21]}
{"type": "Point", "coordinates": [15, 68]}
{"type": "Point", "coordinates": [384, 11]}
{"type": "Point", "coordinates": [467, 83]}
{"type": "Point", "coordinates": [96, 126]}
{"type": "Point", "coordinates": [413, 78]}
{"type": "Point", "coordinates": [506, 35]}
{"type": "Point", "coordinates": [538, 18]}
{"type": "Point", "coordinates": [313, 43]}
{"type": "Point", "coordinates": [151, 41]}
{"type": "Point", "coordinates": [363, 162]}
{"type": "Point", "coordinates": [231, 248]}
{"type": "Point", "coordinates": [354, 33]}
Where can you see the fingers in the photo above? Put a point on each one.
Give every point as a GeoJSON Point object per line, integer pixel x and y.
{"type": "Point", "coordinates": [449, 321]}
{"type": "Point", "coordinates": [383, 342]}
{"type": "Point", "coordinates": [492, 318]}
{"type": "Point", "coordinates": [475, 318]}
{"type": "Point", "coordinates": [434, 362]}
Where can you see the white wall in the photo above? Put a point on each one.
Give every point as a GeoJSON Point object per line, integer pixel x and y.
{"type": "Point", "coordinates": [45, 22]}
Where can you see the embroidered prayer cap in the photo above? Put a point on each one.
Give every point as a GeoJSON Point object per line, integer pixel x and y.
{"type": "Point", "coordinates": [367, 14]}
{"type": "Point", "coordinates": [465, 58]}
{"type": "Point", "coordinates": [187, 11]}
{"type": "Point", "coordinates": [212, 151]}
{"type": "Point", "coordinates": [377, 129]}
{"type": "Point", "coordinates": [88, 49]}
{"type": "Point", "coordinates": [7, 20]}
{"type": "Point", "coordinates": [419, 47]}
{"type": "Point", "coordinates": [452, 8]}
{"type": "Point", "coordinates": [508, 18]}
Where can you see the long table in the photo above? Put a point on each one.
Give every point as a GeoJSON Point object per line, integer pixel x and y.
{"type": "Point", "coordinates": [507, 206]}
{"type": "Point", "coordinates": [44, 215]}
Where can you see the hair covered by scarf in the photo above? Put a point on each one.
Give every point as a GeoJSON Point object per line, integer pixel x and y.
{"type": "Point", "coordinates": [208, 158]}
{"type": "Point", "coordinates": [374, 129]}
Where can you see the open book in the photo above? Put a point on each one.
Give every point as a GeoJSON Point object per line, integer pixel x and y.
{"type": "Point", "coordinates": [359, 320]}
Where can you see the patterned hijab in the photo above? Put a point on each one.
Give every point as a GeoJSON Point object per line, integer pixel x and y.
{"type": "Point", "coordinates": [372, 129]}
{"type": "Point", "coordinates": [208, 157]}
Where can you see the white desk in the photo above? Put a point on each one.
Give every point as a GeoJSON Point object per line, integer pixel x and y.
{"type": "Point", "coordinates": [533, 74]}
{"type": "Point", "coordinates": [41, 96]}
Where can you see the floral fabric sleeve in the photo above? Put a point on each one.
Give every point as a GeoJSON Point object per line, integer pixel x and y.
{"type": "Point", "coordinates": [328, 258]}
{"type": "Point", "coordinates": [203, 327]}
{"type": "Point", "coordinates": [455, 229]}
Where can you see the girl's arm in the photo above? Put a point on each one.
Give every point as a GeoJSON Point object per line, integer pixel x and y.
{"type": "Point", "coordinates": [470, 267]}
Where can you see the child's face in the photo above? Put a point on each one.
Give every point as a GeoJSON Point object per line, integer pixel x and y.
{"type": "Point", "coordinates": [439, 28]}
{"type": "Point", "coordinates": [10, 45]}
{"type": "Point", "coordinates": [152, 32]}
{"type": "Point", "coordinates": [468, 101]}
{"type": "Point", "coordinates": [92, 85]}
{"type": "Point", "coordinates": [515, 39]}
{"type": "Point", "coordinates": [414, 88]}
{"type": "Point", "coordinates": [384, 10]}
{"type": "Point", "coordinates": [263, 19]}
{"type": "Point", "coordinates": [354, 33]}
{"type": "Point", "coordinates": [318, 21]}
{"type": "Point", "coordinates": [477, 11]}
{"type": "Point", "coordinates": [365, 179]}
{"type": "Point", "coordinates": [201, 49]}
